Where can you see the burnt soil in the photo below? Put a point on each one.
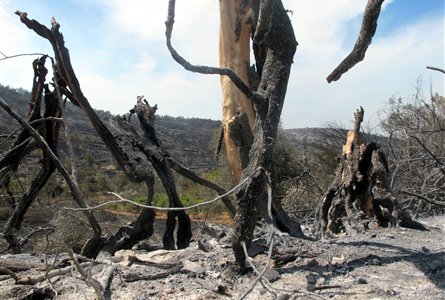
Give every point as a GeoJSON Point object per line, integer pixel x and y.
{"type": "Point", "coordinates": [383, 263]}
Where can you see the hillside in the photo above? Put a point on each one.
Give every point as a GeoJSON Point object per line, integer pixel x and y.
{"type": "Point", "coordinates": [191, 141]}
{"type": "Point", "coordinates": [188, 140]}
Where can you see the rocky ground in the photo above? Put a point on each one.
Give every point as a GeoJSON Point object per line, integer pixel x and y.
{"type": "Point", "coordinates": [395, 263]}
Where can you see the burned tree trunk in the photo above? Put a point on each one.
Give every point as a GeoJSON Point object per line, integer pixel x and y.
{"type": "Point", "coordinates": [360, 189]}
{"type": "Point", "coordinates": [275, 46]}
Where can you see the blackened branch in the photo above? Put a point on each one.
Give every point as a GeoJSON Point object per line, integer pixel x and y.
{"type": "Point", "coordinates": [367, 31]}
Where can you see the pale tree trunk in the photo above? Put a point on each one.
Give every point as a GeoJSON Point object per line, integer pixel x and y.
{"type": "Point", "coordinates": [234, 52]}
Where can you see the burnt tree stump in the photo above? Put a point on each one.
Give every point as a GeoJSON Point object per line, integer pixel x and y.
{"type": "Point", "coordinates": [360, 191]}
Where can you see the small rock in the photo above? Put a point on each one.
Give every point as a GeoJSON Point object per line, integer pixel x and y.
{"type": "Point", "coordinates": [425, 249]}
{"type": "Point", "coordinates": [221, 289]}
{"type": "Point", "coordinates": [374, 262]}
{"type": "Point", "coordinates": [215, 230]}
{"type": "Point", "coordinates": [283, 297]}
{"type": "Point", "coordinates": [338, 260]}
{"type": "Point", "coordinates": [391, 292]}
{"type": "Point", "coordinates": [362, 280]}
{"type": "Point", "coordinates": [257, 246]}
{"type": "Point", "coordinates": [192, 267]}
{"type": "Point", "coordinates": [271, 275]}
{"type": "Point", "coordinates": [436, 265]}
{"type": "Point", "coordinates": [311, 279]}
{"type": "Point", "coordinates": [204, 245]}
{"type": "Point", "coordinates": [309, 262]}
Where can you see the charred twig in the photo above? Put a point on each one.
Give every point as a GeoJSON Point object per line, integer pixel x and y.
{"type": "Point", "coordinates": [422, 197]}
{"type": "Point", "coordinates": [439, 164]}
{"type": "Point", "coordinates": [6, 271]}
{"type": "Point", "coordinates": [436, 69]}
{"type": "Point", "coordinates": [98, 289]}
{"type": "Point", "coordinates": [25, 239]}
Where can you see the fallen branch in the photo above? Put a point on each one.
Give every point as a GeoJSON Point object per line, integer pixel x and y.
{"type": "Point", "coordinates": [131, 277]}
{"type": "Point", "coordinates": [136, 260]}
{"type": "Point", "coordinates": [88, 279]}
{"type": "Point", "coordinates": [30, 280]}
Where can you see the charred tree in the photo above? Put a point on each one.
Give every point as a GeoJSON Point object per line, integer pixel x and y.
{"type": "Point", "coordinates": [137, 155]}
{"type": "Point", "coordinates": [275, 45]}
{"type": "Point", "coordinates": [48, 127]}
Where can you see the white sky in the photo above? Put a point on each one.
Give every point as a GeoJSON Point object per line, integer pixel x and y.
{"type": "Point", "coordinates": [118, 51]}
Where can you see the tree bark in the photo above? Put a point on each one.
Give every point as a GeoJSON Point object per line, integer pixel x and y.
{"type": "Point", "coordinates": [234, 53]}
{"type": "Point", "coordinates": [275, 53]}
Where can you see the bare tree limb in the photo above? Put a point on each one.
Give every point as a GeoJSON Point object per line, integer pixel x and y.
{"type": "Point", "coordinates": [436, 69]}
{"type": "Point", "coordinates": [77, 194]}
{"type": "Point", "coordinates": [439, 164]}
{"type": "Point", "coordinates": [422, 197]}
{"type": "Point", "coordinates": [367, 31]}
{"type": "Point", "coordinates": [253, 96]}
{"type": "Point", "coordinates": [5, 57]}
{"type": "Point", "coordinates": [180, 169]}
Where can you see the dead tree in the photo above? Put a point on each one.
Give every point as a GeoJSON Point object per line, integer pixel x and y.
{"type": "Point", "coordinates": [274, 46]}
{"type": "Point", "coordinates": [136, 155]}
{"type": "Point", "coordinates": [48, 127]}
{"type": "Point", "coordinates": [275, 43]}
{"type": "Point", "coordinates": [360, 189]}
{"type": "Point", "coordinates": [135, 165]}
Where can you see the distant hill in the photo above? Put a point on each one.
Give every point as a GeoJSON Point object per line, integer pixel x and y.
{"type": "Point", "coordinates": [188, 140]}
{"type": "Point", "coordinates": [191, 141]}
